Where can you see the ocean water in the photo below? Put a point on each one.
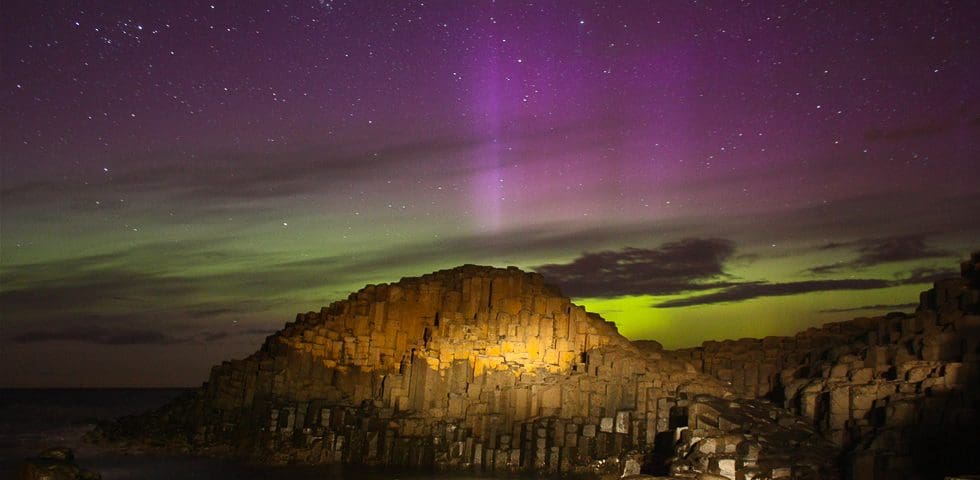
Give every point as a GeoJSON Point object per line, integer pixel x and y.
{"type": "Point", "coordinates": [33, 420]}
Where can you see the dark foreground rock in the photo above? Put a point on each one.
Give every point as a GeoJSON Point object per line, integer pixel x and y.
{"type": "Point", "coordinates": [54, 464]}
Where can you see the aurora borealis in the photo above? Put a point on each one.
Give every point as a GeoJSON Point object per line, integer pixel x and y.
{"type": "Point", "coordinates": [180, 178]}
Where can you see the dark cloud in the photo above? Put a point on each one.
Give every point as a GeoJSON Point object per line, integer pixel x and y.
{"type": "Point", "coordinates": [235, 176]}
{"type": "Point", "coordinates": [232, 175]}
{"type": "Point", "coordinates": [150, 296]}
{"type": "Point", "coordinates": [82, 290]}
{"type": "Point", "coordinates": [877, 251]}
{"type": "Point", "coordinates": [214, 336]}
{"type": "Point", "coordinates": [899, 306]}
{"type": "Point", "coordinates": [869, 216]}
{"type": "Point", "coordinates": [171, 271]}
{"type": "Point", "coordinates": [828, 269]}
{"type": "Point", "coordinates": [690, 264]}
{"type": "Point", "coordinates": [102, 334]}
{"type": "Point", "coordinates": [750, 290]}
{"type": "Point", "coordinates": [142, 286]}
{"type": "Point", "coordinates": [927, 275]}
{"type": "Point", "coordinates": [97, 334]}
{"type": "Point", "coordinates": [144, 258]}
{"type": "Point", "coordinates": [499, 248]}
{"type": "Point", "coordinates": [896, 249]}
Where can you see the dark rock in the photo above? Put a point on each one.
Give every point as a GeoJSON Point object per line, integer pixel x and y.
{"type": "Point", "coordinates": [54, 464]}
{"type": "Point", "coordinates": [62, 454]}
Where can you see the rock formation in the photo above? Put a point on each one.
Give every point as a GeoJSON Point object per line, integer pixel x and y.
{"type": "Point", "coordinates": [492, 370]}
{"type": "Point", "coordinates": [471, 368]}
{"type": "Point", "coordinates": [747, 439]}
{"type": "Point", "coordinates": [898, 394]}
{"type": "Point", "coordinates": [56, 463]}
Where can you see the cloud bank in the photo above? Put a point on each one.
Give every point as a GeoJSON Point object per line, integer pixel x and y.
{"type": "Point", "coordinates": [878, 251]}
{"type": "Point", "coordinates": [685, 265]}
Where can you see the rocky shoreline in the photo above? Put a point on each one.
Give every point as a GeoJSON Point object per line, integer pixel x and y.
{"type": "Point", "coordinates": [492, 370]}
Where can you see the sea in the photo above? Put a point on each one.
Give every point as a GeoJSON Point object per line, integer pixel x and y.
{"type": "Point", "coordinates": [32, 420]}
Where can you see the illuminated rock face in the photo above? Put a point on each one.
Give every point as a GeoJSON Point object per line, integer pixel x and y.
{"type": "Point", "coordinates": [474, 367]}
{"type": "Point", "coordinates": [899, 394]}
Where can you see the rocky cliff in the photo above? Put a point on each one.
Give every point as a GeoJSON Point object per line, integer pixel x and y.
{"type": "Point", "coordinates": [470, 368]}
{"type": "Point", "coordinates": [899, 395]}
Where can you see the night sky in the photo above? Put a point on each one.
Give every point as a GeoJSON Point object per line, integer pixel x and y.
{"type": "Point", "coordinates": [180, 178]}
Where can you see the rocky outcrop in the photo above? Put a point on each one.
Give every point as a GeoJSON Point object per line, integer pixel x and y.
{"type": "Point", "coordinates": [752, 367]}
{"type": "Point", "coordinates": [747, 439]}
{"type": "Point", "coordinates": [899, 394]}
{"type": "Point", "coordinates": [56, 463]}
{"type": "Point", "coordinates": [470, 368]}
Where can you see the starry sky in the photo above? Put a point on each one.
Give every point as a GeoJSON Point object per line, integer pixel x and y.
{"type": "Point", "coordinates": [180, 178]}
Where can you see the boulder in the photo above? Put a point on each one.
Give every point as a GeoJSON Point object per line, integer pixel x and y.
{"type": "Point", "coordinates": [56, 463]}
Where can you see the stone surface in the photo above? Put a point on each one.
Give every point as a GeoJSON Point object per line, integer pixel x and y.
{"type": "Point", "coordinates": [749, 438]}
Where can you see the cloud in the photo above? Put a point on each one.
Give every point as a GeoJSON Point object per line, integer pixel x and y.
{"type": "Point", "coordinates": [750, 290]}
{"type": "Point", "coordinates": [75, 292]}
{"type": "Point", "coordinates": [896, 249]}
{"type": "Point", "coordinates": [171, 271]}
{"type": "Point", "coordinates": [338, 274]}
{"type": "Point", "coordinates": [214, 336]}
{"type": "Point", "coordinates": [235, 175]}
{"type": "Point", "coordinates": [98, 335]}
{"type": "Point", "coordinates": [868, 216]}
{"type": "Point", "coordinates": [102, 334]}
{"type": "Point", "coordinates": [758, 289]}
{"type": "Point", "coordinates": [927, 275]}
{"type": "Point", "coordinates": [148, 298]}
{"type": "Point", "coordinates": [877, 251]}
{"type": "Point", "coordinates": [898, 306]}
{"type": "Point", "coordinates": [229, 178]}
{"type": "Point", "coordinates": [129, 292]}
{"type": "Point", "coordinates": [674, 267]}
